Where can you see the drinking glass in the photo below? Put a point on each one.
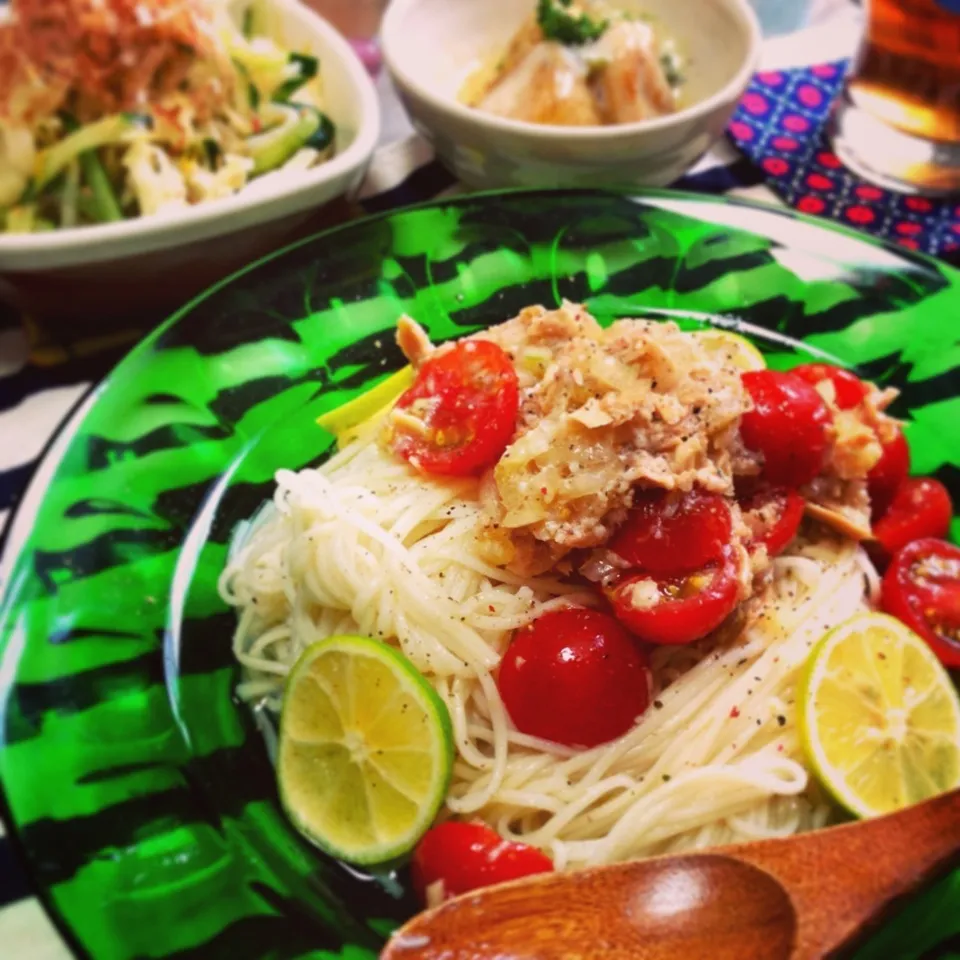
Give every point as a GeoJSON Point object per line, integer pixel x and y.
{"type": "Point", "coordinates": [781, 16]}
{"type": "Point", "coordinates": [898, 120]}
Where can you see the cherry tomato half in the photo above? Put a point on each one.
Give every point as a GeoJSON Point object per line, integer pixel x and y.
{"type": "Point", "coordinates": [467, 856]}
{"type": "Point", "coordinates": [921, 508]}
{"type": "Point", "coordinates": [890, 471]}
{"type": "Point", "coordinates": [677, 610]}
{"type": "Point", "coordinates": [667, 536]}
{"type": "Point", "coordinates": [575, 677]}
{"type": "Point", "coordinates": [922, 589]}
{"type": "Point", "coordinates": [848, 388]}
{"type": "Point", "coordinates": [461, 411]}
{"type": "Point", "coordinates": [787, 425]}
{"type": "Point", "coordinates": [773, 515]}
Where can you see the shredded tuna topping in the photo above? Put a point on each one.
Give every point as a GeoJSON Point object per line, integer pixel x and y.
{"type": "Point", "coordinates": [639, 405]}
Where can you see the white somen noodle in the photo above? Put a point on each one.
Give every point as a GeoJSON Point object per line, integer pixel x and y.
{"type": "Point", "coordinates": [365, 545]}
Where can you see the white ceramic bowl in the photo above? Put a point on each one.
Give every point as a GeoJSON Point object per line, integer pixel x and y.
{"type": "Point", "coordinates": [149, 245]}
{"type": "Point", "coordinates": [432, 46]}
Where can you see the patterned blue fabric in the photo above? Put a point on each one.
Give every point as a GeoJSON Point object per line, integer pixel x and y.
{"type": "Point", "coordinates": [780, 124]}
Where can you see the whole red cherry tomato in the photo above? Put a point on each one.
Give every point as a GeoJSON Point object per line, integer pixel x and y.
{"type": "Point", "coordinates": [575, 677]}
{"type": "Point", "coordinates": [461, 412]}
{"type": "Point", "coordinates": [667, 536]}
{"type": "Point", "coordinates": [677, 610]}
{"type": "Point", "coordinates": [888, 474]}
{"type": "Point", "coordinates": [922, 589]}
{"type": "Point", "coordinates": [921, 508]}
{"type": "Point", "coordinates": [773, 515]}
{"type": "Point", "coordinates": [787, 425]}
{"type": "Point", "coordinates": [848, 388]}
{"type": "Point", "coordinates": [467, 856]}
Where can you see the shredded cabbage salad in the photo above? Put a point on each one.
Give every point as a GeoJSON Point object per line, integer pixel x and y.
{"type": "Point", "coordinates": [111, 109]}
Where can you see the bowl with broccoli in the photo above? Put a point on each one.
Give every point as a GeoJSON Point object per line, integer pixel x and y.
{"type": "Point", "coordinates": [570, 92]}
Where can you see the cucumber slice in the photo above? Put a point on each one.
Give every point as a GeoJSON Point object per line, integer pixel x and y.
{"type": "Point", "coordinates": [89, 137]}
{"type": "Point", "coordinates": [307, 68]}
{"type": "Point", "coordinates": [106, 206]}
{"type": "Point", "coordinates": [276, 146]}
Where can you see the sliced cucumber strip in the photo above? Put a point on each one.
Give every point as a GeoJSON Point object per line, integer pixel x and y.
{"type": "Point", "coordinates": [276, 146]}
{"type": "Point", "coordinates": [112, 129]}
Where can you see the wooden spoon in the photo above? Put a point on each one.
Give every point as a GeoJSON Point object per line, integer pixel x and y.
{"type": "Point", "coordinates": [800, 898]}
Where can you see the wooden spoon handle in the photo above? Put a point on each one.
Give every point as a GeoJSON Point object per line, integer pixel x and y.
{"type": "Point", "coordinates": [841, 879]}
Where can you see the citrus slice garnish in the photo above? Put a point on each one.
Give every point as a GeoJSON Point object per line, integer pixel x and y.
{"type": "Point", "coordinates": [737, 350]}
{"type": "Point", "coordinates": [366, 750]}
{"type": "Point", "coordinates": [879, 716]}
{"type": "Point", "coordinates": [350, 421]}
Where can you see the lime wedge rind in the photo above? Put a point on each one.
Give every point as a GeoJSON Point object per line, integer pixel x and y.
{"type": "Point", "coordinates": [889, 753]}
{"type": "Point", "coordinates": [362, 842]}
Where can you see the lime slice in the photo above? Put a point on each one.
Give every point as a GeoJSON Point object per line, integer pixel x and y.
{"type": "Point", "coordinates": [366, 750]}
{"type": "Point", "coordinates": [879, 716]}
{"type": "Point", "coordinates": [351, 420]}
{"type": "Point", "coordinates": [737, 350]}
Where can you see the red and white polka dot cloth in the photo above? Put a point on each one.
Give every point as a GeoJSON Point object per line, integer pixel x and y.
{"type": "Point", "coordinates": [780, 125]}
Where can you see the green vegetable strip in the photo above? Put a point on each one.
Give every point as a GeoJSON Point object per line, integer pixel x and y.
{"type": "Point", "coordinates": [253, 94]}
{"type": "Point", "coordinates": [253, 21]}
{"type": "Point", "coordinates": [87, 206]}
{"type": "Point", "coordinates": [307, 68]}
{"type": "Point", "coordinates": [108, 130]}
{"type": "Point", "coordinates": [275, 147]}
{"type": "Point", "coordinates": [106, 205]}
{"type": "Point", "coordinates": [323, 139]}
{"type": "Point", "coordinates": [70, 195]}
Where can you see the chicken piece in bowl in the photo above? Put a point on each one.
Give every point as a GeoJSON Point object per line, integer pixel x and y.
{"type": "Point", "coordinates": [625, 93]}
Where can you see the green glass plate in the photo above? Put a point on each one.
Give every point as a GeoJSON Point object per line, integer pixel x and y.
{"type": "Point", "coordinates": [139, 792]}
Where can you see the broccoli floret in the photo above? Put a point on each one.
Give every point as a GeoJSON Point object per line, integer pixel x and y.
{"type": "Point", "coordinates": [557, 24]}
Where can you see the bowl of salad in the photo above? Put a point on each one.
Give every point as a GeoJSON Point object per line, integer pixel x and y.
{"type": "Point", "coordinates": [570, 92]}
{"type": "Point", "coordinates": [135, 132]}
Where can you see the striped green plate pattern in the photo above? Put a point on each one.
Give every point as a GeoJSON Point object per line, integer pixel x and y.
{"type": "Point", "coordinates": [140, 793]}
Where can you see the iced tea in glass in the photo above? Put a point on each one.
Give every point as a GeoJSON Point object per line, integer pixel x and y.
{"type": "Point", "coordinates": [898, 121]}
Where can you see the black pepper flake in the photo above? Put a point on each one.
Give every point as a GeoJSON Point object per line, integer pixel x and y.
{"type": "Point", "coordinates": [782, 720]}
{"type": "Point", "coordinates": [658, 704]}
{"type": "Point", "coordinates": [666, 778]}
{"type": "Point", "coordinates": [741, 662]}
